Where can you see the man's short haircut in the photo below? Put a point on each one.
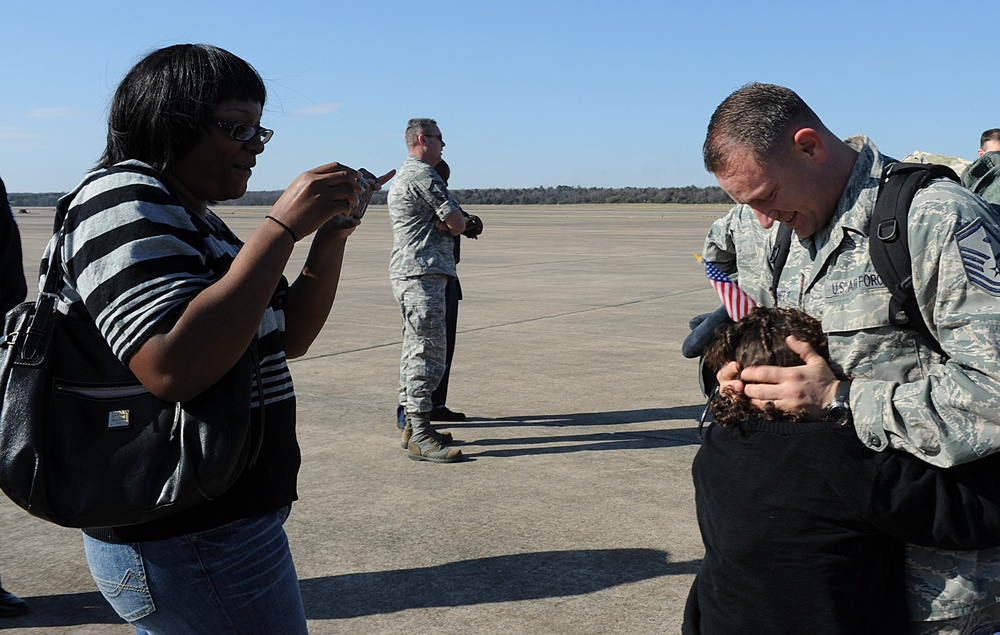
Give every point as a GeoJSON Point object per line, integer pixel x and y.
{"type": "Point", "coordinates": [758, 117]}
{"type": "Point", "coordinates": [416, 127]}
{"type": "Point", "coordinates": [164, 104]}
{"type": "Point", "coordinates": [759, 340]}
{"type": "Point", "coordinates": [993, 134]}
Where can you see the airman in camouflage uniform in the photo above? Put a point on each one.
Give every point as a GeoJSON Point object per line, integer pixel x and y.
{"type": "Point", "coordinates": [982, 176]}
{"type": "Point", "coordinates": [903, 395]}
{"type": "Point", "coordinates": [734, 244]}
{"type": "Point", "coordinates": [424, 218]}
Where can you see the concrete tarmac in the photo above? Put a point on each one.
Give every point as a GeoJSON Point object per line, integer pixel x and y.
{"type": "Point", "coordinates": [574, 511]}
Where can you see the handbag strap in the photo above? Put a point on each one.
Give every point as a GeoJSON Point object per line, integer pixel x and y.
{"type": "Point", "coordinates": [39, 326]}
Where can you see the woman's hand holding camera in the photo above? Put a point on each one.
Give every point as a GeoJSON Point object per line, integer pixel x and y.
{"type": "Point", "coordinates": [324, 193]}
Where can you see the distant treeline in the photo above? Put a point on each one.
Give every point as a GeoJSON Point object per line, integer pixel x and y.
{"type": "Point", "coordinates": [44, 199]}
{"type": "Point", "coordinates": [560, 195]}
{"type": "Point", "coordinates": [567, 195]}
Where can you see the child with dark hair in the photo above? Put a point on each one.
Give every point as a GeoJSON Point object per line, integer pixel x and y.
{"type": "Point", "coordinates": [757, 340]}
{"type": "Point", "coordinates": [804, 527]}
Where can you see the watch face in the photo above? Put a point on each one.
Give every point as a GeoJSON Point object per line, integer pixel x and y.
{"type": "Point", "coordinates": [840, 410]}
{"type": "Point", "coordinates": [838, 413]}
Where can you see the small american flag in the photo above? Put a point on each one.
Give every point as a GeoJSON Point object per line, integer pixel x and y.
{"type": "Point", "coordinates": [736, 300]}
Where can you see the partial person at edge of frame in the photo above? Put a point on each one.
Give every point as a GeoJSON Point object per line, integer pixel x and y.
{"type": "Point", "coordinates": [13, 290]}
{"type": "Point", "coordinates": [982, 176]}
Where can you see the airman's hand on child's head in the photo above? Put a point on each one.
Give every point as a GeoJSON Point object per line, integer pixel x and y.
{"type": "Point", "coordinates": [791, 388]}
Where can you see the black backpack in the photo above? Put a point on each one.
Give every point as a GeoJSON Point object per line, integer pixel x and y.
{"type": "Point", "coordinates": [888, 246]}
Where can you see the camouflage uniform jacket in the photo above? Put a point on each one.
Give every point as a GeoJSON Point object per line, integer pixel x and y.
{"type": "Point", "coordinates": [983, 177]}
{"type": "Point", "coordinates": [732, 245]}
{"type": "Point", "coordinates": [418, 198]}
{"type": "Point", "coordinates": [904, 395]}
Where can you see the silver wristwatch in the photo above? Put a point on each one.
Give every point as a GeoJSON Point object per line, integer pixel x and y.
{"type": "Point", "coordinates": [839, 410]}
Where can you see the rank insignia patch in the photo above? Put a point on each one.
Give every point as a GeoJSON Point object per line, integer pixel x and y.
{"type": "Point", "coordinates": [980, 249]}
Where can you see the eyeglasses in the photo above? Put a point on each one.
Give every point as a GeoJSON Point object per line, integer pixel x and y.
{"type": "Point", "coordinates": [435, 136]}
{"type": "Point", "coordinates": [245, 131]}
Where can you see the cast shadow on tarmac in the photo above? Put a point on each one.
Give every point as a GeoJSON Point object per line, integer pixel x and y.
{"type": "Point", "coordinates": [613, 417]}
{"type": "Point", "coordinates": [512, 578]}
{"type": "Point", "coordinates": [585, 443]}
{"type": "Point", "coordinates": [624, 440]}
{"type": "Point", "coordinates": [69, 609]}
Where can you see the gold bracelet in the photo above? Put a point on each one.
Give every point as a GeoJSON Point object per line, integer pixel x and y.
{"type": "Point", "coordinates": [288, 229]}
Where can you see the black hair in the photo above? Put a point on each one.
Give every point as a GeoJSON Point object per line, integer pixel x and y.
{"type": "Point", "coordinates": [163, 105]}
{"type": "Point", "coordinates": [443, 170]}
{"type": "Point", "coordinates": [759, 340]}
{"type": "Point", "coordinates": [993, 134]}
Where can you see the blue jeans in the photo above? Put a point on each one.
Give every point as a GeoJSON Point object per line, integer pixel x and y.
{"type": "Point", "coordinates": [238, 578]}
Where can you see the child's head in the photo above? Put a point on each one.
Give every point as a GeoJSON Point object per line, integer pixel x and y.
{"type": "Point", "coordinates": [759, 340]}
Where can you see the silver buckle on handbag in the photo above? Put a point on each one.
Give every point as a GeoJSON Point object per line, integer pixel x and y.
{"type": "Point", "coordinates": [118, 419]}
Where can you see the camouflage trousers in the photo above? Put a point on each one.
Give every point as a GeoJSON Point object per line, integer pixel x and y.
{"type": "Point", "coordinates": [422, 362]}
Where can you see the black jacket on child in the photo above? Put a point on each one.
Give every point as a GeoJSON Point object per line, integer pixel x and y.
{"type": "Point", "coordinates": [804, 528]}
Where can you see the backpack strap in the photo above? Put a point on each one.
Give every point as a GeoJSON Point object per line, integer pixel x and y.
{"type": "Point", "coordinates": [778, 256]}
{"type": "Point", "coordinates": [888, 241]}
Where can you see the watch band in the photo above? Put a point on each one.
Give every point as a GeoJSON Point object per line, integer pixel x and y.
{"type": "Point", "coordinates": [843, 392]}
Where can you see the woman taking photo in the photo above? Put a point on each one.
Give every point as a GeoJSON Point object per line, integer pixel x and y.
{"type": "Point", "coordinates": [179, 298]}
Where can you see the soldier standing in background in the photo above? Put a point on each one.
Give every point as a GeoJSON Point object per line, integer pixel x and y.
{"type": "Point", "coordinates": [424, 219]}
{"type": "Point", "coordinates": [989, 141]}
{"type": "Point", "coordinates": [982, 176]}
{"type": "Point", "coordinates": [453, 295]}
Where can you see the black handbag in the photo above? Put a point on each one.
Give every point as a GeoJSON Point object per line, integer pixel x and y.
{"type": "Point", "coordinates": [84, 444]}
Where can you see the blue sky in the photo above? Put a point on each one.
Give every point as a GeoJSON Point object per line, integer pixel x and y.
{"type": "Point", "coordinates": [595, 94]}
